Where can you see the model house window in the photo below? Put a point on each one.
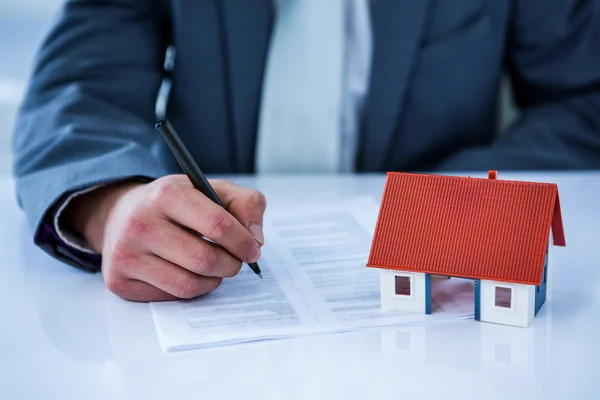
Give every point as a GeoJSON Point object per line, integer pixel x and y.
{"type": "Point", "coordinates": [402, 285]}
{"type": "Point", "coordinates": [503, 297]}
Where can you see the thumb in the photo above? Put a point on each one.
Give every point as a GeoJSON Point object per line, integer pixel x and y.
{"type": "Point", "coordinates": [246, 205]}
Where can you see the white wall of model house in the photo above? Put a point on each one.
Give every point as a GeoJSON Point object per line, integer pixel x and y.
{"type": "Point", "coordinates": [521, 308]}
{"type": "Point", "coordinates": [415, 302]}
{"type": "Point", "coordinates": [517, 309]}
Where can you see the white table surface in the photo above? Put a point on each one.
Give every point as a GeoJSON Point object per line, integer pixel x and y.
{"type": "Point", "coordinates": [65, 336]}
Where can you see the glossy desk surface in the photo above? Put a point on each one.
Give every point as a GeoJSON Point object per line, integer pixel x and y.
{"type": "Point", "coordinates": [65, 336]}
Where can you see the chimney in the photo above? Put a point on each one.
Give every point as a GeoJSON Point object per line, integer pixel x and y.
{"type": "Point", "coordinates": [492, 174]}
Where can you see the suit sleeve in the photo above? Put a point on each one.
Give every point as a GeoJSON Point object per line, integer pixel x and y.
{"type": "Point", "coordinates": [89, 110]}
{"type": "Point", "coordinates": [553, 56]}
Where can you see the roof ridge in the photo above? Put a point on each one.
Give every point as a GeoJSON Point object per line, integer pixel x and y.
{"type": "Point", "coordinates": [478, 179]}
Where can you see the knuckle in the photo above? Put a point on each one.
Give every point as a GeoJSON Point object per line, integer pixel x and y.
{"type": "Point", "coordinates": [186, 287]}
{"type": "Point", "coordinates": [136, 226]}
{"type": "Point", "coordinates": [219, 224]}
{"type": "Point", "coordinates": [121, 255]}
{"type": "Point", "coordinates": [204, 259]}
{"type": "Point", "coordinates": [164, 192]}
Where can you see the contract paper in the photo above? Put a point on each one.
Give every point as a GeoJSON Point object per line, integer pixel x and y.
{"type": "Point", "coordinates": [315, 282]}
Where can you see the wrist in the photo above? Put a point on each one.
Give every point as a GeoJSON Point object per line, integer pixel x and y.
{"type": "Point", "coordinates": [87, 214]}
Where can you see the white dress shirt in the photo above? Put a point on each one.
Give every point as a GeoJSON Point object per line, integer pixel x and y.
{"type": "Point", "coordinates": [359, 43]}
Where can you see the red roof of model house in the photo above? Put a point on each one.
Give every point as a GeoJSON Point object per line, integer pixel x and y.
{"type": "Point", "coordinates": [466, 227]}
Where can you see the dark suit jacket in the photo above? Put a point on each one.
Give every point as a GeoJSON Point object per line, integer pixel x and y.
{"type": "Point", "coordinates": [89, 110]}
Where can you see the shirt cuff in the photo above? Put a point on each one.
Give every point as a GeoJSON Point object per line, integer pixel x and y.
{"type": "Point", "coordinates": [66, 236]}
{"type": "Point", "coordinates": [49, 240]}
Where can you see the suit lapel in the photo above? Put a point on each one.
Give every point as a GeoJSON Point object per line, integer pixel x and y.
{"type": "Point", "coordinates": [247, 38]}
{"type": "Point", "coordinates": [397, 29]}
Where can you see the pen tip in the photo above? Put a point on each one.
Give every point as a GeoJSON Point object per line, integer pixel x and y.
{"type": "Point", "coordinates": [260, 275]}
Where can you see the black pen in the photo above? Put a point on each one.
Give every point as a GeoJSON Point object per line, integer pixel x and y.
{"type": "Point", "coordinates": [191, 169]}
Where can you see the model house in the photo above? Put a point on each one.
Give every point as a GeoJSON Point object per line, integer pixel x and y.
{"type": "Point", "coordinates": [495, 232]}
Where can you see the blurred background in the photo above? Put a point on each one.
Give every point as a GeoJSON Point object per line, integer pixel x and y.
{"type": "Point", "coordinates": [23, 24]}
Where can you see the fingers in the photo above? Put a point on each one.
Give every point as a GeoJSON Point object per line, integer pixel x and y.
{"type": "Point", "coordinates": [196, 255]}
{"type": "Point", "coordinates": [190, 208]}
{"type": "Point", "coordinates": [247, 205]}
{"type": "Point", "coordinates": [152, 251]}
{"type": "Point", "coordinates": [143, 292]}
{"type": "Point", "coordinates": [131, 289]}
{"type": "Point", "coordinates": [168, 280]}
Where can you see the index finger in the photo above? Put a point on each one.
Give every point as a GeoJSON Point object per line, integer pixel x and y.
{"type": "Point", "coordinates": [190, 208]}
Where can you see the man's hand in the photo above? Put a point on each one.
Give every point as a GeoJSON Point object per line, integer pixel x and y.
{"type": "Point", "coordinates": [150, 235]}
